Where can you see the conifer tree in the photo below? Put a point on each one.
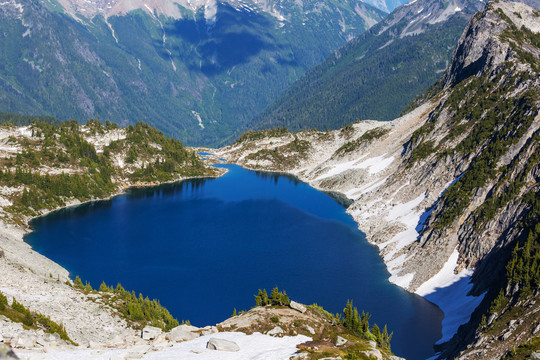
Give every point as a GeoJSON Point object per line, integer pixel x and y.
{"type": "Point", "coordinates": [377, 333]}
{"type": "Point", "coordinates": [386, 338]}
{"type": "Point", "coordinates": [103, 287]}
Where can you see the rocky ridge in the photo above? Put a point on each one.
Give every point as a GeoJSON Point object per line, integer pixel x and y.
{"type": "Point", "coordinates": [427, 188]}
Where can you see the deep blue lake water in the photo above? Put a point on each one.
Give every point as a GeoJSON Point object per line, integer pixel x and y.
{"type": "Point", "coordinates": [204, 247]}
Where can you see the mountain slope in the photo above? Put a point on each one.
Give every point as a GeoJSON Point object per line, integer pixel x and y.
{"type": "Point", "coordinates": [448, 192]}
{"type": "Point", "coordinates": [197, 72]}
{"type": "Point", "coordinates": [378, 74]}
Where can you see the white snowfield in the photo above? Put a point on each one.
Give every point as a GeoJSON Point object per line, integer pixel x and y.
{"type": "Point", "coordinates": [256, 346]}
{"type": "Point", "coordinates": [449, 291]}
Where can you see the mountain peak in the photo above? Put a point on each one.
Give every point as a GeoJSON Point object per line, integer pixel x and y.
{"type": "Point", "coordinates": [502, 31]}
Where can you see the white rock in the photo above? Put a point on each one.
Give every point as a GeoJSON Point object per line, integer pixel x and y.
{"type": "Point", "coordinates": [373, 344]}
{"type": "Point", "coordinates": [137, 352]}
{"type": "Point", "coordinates": [207, 330]}
{"type": "Point", "coordinates": [150, 332]}
{"type": "Point", "coordinates": [340, 341]}
{"type": "Point", "coordinates": [24, 341]}
{"type": "Point", "coordinates": [182, 333]}
{"type": "Point", "coordinates": [492, 318]}
{"type": "Point", "coordinates": [535, 355]}
{"type": "Point", "coordinates": [179, 336]}
{"type": "Point", "coordinates": [161, 346]}
{"type": "Point", "coordinates": [310, 329]}
{"type": "Point", "coordinates": [297, 306]}
{"type": "Point", "coordinates": [275, 331]}
{"type": "Point", "coordinates": [185, 327]}
{"type": "Point", "coordinates": [374, 354]}
{"type": "Point", "coordinates": [222, 345]}
{"type": "Point", "coordinates": [116, 341]}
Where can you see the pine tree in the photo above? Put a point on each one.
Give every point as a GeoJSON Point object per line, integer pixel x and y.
{"type": "Point", "coordinates": [386, 338]}
{"type": "Point", "coordinates": [103, 287]}
{"type": "Point", "coordinates": [377, 333]}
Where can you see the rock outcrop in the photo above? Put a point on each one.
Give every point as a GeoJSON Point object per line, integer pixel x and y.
{"type": "Point", "coordinates": [222, 345]}
{"type": "Point", "coordinates": [150, 332]}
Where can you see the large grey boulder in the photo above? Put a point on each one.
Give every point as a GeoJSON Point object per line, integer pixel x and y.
{"type": "Point", "coordinates": [183, 333]}
{"type": "Point", "coordinates": [297, 306]}
{"type": "Point", "coordinates": [24, 341]}
{"type": "Point", "coordinates": [150, 332]}
{"type": "Point", "coordinates": [222, 345]}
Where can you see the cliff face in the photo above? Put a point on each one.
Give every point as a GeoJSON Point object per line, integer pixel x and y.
{"type": "Point", "coordinates": [451, 187]}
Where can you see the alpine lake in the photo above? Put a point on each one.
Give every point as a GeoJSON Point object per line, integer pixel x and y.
{"type": "Point", "coordinates": [204, 247]}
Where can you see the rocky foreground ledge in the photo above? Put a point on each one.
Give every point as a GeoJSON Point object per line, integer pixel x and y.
{"type": "Point", "coordinates": [295, 332]}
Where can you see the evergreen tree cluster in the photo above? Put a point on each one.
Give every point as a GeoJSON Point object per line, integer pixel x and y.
{"type": "Point", "coordinates": [251, 135]}
{"type": "Point", "coordinates": [364, 139]}
{"type": "Point", "coordinates": [356, 323]}
{"type": "Point", "coordinates": [64, 146]}
{"type": "Point", "coordinates": [523, 268]}
{"type": "Point", "coordinates": [19, 313]}
{"type": "Point", "coordinates": [172, 158]}
{"type": "Point", "coordinates": [493, 122]}
{"type": "Point", "coordinates": [277, 298]}
{"type": "Point", "coordinates": [347, 85]}
{"type": "Point", "coordinates": [359, 325]}
{"type": "Point", "coordinates": [137, 309]}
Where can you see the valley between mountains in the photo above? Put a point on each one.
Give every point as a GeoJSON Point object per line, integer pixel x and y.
{"type": "Point", "coordinates": [448, 193]}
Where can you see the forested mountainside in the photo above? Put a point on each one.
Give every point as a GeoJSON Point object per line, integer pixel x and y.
{"type": "Point", "coordinates": [376, 75]}
{"type": "Point", "coordinates": [197, 71]}
{"type": "Point", "coordinates": [46, 165]}
{"type": "Point", "coordinates": [449, 191]}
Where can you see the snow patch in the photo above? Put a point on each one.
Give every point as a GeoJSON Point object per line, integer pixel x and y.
{"type": "Point", "coordinates": [402, 281]}
{"type": "Point", "coordinates": [337, 169]}
{"type": "Point", "coordinates": [198, 117]}
{"type": "Point", "coordinates": [376, 164]}
{"type": "Point", "coordinates": [449, 292]}
{"type": "Point", "coordinates": [252, 347]}
{"type": "Point", "coordinates": [405, 212]}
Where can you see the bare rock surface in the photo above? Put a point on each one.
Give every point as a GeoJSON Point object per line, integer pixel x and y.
{"type": "Point", "coordinates": [222, 345]}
